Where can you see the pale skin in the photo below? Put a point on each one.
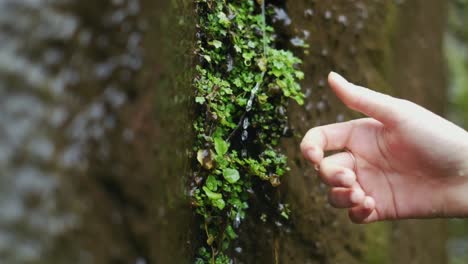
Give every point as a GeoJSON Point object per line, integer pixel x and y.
{"type": "Point", "coordinates": [402, 162]}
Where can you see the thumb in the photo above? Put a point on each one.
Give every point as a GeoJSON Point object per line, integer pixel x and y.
{"type": "Point", "coordinates": [382, 107]}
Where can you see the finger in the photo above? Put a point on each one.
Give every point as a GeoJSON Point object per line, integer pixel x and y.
{"type": "Point", "coordinates": [340, 197]}
{"type": "Point", "coordinates": [323, 138]}
{"type": "Point", "coordinates": [337, 170]}
{"type": "Point", "coordinates": [374, 104]}
{"type": "Point", "coordinates": [365, 212]}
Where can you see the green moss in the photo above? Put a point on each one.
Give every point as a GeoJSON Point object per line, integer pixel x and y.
{"type": "Point", "coordinates": [243, 86]}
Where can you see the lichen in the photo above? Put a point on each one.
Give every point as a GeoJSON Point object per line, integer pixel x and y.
{"type": "Point", "coordinates": [243, 85]}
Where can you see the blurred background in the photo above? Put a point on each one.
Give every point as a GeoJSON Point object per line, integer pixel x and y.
{"type": "Point", "coordinates": [456, 50]}
{"type": "Point", "coordinates": [93, 94]}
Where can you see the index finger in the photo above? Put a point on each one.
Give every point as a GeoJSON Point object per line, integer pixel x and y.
{"type": "Point", "coordinates": [323, 138]}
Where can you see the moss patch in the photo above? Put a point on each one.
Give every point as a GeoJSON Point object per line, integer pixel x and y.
{"type": "Point", "coordinates": [243, 86]}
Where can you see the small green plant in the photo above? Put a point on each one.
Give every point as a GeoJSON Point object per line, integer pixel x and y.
{"type": "Point", "coordinates": [243, 86]}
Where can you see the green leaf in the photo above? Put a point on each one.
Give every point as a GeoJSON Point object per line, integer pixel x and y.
{"type": "Point", "coordinates": [200, 100]}
{"type": "Point", "coordinates": [262, 98]}
{"type": "Point", "coordinates": [231, 175]}
{"type": "Point", "coordinates": [207, 58]}
{"type": "Point", "coordinates": [216, 43]}
{"type": "Point", "coordinates": [212, 183]}
{"type": "Point", "coordinates": [299, 75]}
{"type": "Point", "coordinates": [248, 56]}
{"type": "Point", "coordinates": [221, 146]}
{"type": "Point", "coordinates": [212, 195]}
{"type": "Point", "coordinates": [230, 232]}
{"type": "Point", "coordinates": [223, 19]}
{"type": "Point", "coordinates": [219, 203]}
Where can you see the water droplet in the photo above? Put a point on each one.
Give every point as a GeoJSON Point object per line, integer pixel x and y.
{"type": "Point", "coordinates": [297, 42]}
{"type": "Point", "coordinates": [309, 12]}
{"type": "Point", "coordinates": [230, 63]}
{"type": "Point", "coordinates": [252, 96]}
{"type": "Point", "coordinates": [249, 105]}
{"type": "Point", "coordinates": [245, 135]}
{"type": "Point", "coordinates": [237, 221]}
{"type": "Point", "coordinates": [321, 83]}
{"type": "Point", "coordinates": [281, 15]}
{"type": "Point", "coordinates": [281, 110]}
{"type": "Point", "coordinates": [324, 52]}
{"type": "Point", "coordinates": [343, 19]}
{"type": "Point", "coordinates": [140, 260]}
{"type": "Point", "coordinates": [340, 118]}
{"type": "Point", "coordinates": [244, 153]}
{"type": "Point", "coordinates": [288, 132]}
{"type": "Point", "coordinates": [308, 92]}
{"type": "Point", "coordinates": [321, 106]}
{"type": "Point", "coordinates": [245, 123]}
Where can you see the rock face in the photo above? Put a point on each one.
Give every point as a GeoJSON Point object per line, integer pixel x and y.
{"type": "Point", "coordinates": [97, 118]}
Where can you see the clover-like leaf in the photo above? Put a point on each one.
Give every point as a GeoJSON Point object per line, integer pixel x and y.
{"type": "Point", "coordinates": [221, 146]}
{"type": "Point", "coordinates": [212, 195]}
{"type": "Point", "coordinates": [231, 175]}
{"type": "Point", "coordinates": [216, 43]}
{"type": "Point", "coordinates": [212, 183]}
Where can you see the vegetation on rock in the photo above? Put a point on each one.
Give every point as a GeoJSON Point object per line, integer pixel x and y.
{"type": "Point", "coordinates": [243, 85]}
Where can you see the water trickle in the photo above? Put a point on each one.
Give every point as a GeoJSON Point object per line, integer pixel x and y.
{"type": "Point", "coordinates": [245, 123]}
{"type": "Point", "coordinates": [278, 224]}
{"type": "Point", "coordinates": [244, 153]}
{"type": "Point", "coordinates": [253, 93]}
{"type": "Point", "coordinates": [230, 63]}
{"type": "Point", "coordinates": [245, 135]}
{"type": "Point", "coordinates": [237, 221]}
{"type": "Point", "coordinates": [281, 110]}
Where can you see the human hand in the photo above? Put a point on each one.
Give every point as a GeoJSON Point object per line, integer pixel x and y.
{"type": "Point", "coordinates": [402, 162]}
